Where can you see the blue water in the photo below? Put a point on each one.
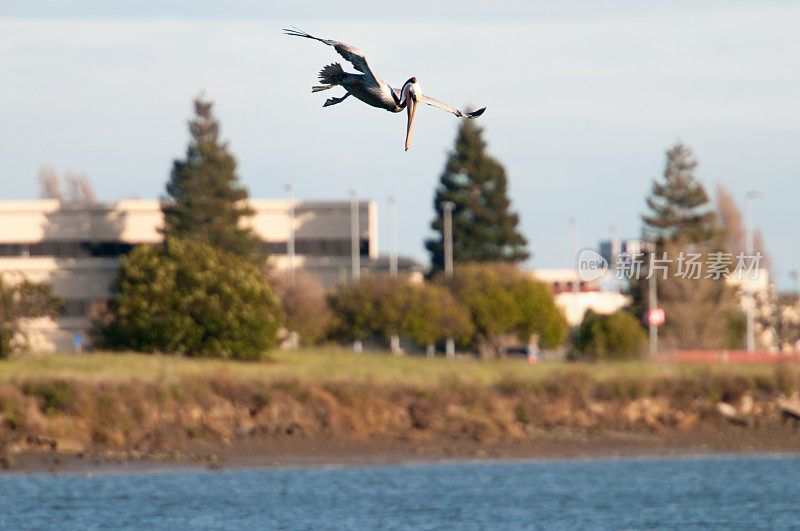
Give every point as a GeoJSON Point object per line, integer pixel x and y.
{"type": "Point", "coordinates": [739, 492]}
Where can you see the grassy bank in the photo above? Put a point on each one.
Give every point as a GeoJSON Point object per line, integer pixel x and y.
{"type": "Point", "coordinates": [342, 365]}
{"type": "Point", "coordinates": [140, 405]}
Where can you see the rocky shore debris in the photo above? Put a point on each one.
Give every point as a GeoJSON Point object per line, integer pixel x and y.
{"type": "Point", "coordinates": [790, 411]}
{"type": "Point", "coordinates": [732, 414]}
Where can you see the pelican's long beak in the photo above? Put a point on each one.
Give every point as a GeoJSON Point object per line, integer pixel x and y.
{"type": "Point", "coordinates": [411, 107]}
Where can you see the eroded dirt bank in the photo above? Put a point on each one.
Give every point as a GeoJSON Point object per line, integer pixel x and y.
{"type": "Point", "coordinates": [226, 421]}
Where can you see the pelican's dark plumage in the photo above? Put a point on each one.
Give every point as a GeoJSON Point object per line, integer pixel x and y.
{"type": "Point", "coordinates": [370, 89]}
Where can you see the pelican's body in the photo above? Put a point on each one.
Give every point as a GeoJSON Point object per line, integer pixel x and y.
{"type": "Point", "coordinates": [377, 93]}
{"type": "Point", "coordinates": [372, 90]}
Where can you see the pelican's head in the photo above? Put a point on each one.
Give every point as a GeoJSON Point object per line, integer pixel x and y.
{"type": "Point", "coordinates": [410, 96]}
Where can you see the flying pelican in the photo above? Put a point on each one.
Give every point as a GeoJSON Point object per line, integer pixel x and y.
{"type": "Point", "coordinates": [370, 89]}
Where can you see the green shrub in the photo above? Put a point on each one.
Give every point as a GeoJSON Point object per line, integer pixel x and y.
{"type": "Point", "coordinates": [54, 396]}
{"type": "Point", "coordinates": [11, 408]}
{"type": "Point", "coordinates": [187, 297]}
{"type": "Point", "coordinates": [377, 307]}
{"type": "Point", "coordinates": [503, 301]}
{"type": "Point", "coordinates": [618, 336]}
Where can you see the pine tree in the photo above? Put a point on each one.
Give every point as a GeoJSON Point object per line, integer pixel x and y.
{"type": "Point", "coordinates": [700, 311]}
{"type": "Point", "coordinates": [679, 206]}
{"type": "Point", "coordinates": [484, 228]}
{"type": "Point", "coordinates": [206, 201]}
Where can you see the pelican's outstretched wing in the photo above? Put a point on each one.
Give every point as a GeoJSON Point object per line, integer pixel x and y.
{"type": "Point", "coordinates": [350, 53]}
{"type": "Point", "coordinates": [453, 110]}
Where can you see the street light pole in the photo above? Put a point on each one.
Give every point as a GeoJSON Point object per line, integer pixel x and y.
{"type": "Point", "coordinates": [748, 248]}
{"type": "Point", "coordinates": [355, 239]}
{"type": "Point", "coordinates": [355, 250]}
{"type": "Point", "coordinates": [652, 302]}
{"type": "Point", "coordinates": [290, 243]}
{"type": "Point", "coordinates": [573, 251]}
{"type": "Point", "coordinates": [615, 252]}
{"type": "Point", "coordinates": [573, 259]}
{"type": "Point", "coordinates": [448, 207]}
{"type": "Point", "coordinates": [392, 237]}
{"type": "Point", "coordinates": [395, 339]}
{"type": "Point", "coordinates": [796, 277]}
{"type": "Point", "coordinates": [290, 254]}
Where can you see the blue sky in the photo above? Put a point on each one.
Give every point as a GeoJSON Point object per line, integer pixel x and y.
{"type": "Point", "coordinates": [583, 99]}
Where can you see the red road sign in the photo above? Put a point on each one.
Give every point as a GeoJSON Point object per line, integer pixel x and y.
{"type": "Point", "coordinates": [656, 316]}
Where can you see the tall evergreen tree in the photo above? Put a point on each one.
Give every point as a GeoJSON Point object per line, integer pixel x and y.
{"type": "Point", "coordinates": [679, 205]}
{"type": "Point", "coordinates": [700, 311]}
{"type": "Point", "coordinates": [206, 201]}
{"type": "Point", "coordinates": [484, 228]}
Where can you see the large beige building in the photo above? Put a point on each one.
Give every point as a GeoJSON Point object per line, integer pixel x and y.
{"type": "Point", "coordinates": [77, 249]}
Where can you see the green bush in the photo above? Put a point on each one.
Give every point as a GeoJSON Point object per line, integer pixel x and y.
{"type": "Point", "coordinates": [187, 297]}
{"type": "Point", "coordinates": [54, 396]}
{"type": "Point", "coordinates": [378, 307]}
{"type": "Point", "coordinates": [479, 307]}
{"type": "Point", "coordinates": [502, 301]}
{"type": "Point", "coordinates": [617, 336]}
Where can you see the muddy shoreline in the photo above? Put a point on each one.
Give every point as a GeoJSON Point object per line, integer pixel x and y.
{"type": "Point", "coordinates": [72, 425]}
{"type": "Point", "coordinates": [287, 453]}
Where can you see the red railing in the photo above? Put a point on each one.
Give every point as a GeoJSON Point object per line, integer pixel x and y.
{"type": "Point", "coordinates": [731, 356]}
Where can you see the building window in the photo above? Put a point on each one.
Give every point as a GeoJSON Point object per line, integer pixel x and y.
{"type": "Point", "coordinates": [84, 308]}
{"type": "Point", "coordinates": [75, 308]}
{"type": "Point", "coordinates": [66, 249]}
{"type": "Point", "coordinates": [13, 249]}
{"type": "Point", "coordinates": [316, 247]}
{"type": "Point", "coordinates": [274, 248]}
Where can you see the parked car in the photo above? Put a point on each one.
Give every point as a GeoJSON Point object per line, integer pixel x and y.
{"type": "Point", "coordinates": [520, 351]}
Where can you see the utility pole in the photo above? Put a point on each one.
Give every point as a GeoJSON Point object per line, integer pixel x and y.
{"type": "Point", "coordinates": [448, 207]}
{"type": "Point", "coordinates": [290, 243]}
{"type": "Point", "coordinates": [796, 277]}
{"type": "Point", "coordinates": [355, 238]}
{"type": "Point", "coordinates": [652, 299]}
{"type": "Point", "coordinates": [355, 250]}
{"type": "Point", "coordinates": [573, 252]}
{"type": "Point", "coordinates": [748, 248]}
{"type": "Point", "coordinates": [392, 237]}
{"type": "Point", "coordinates": [290, 254]}
{"type": "Point", "coordinates": [573, 259]}
{"type": "Point", "coordinates": [395, 339]}
{"type": "Point", "coordinates": [616, 250]}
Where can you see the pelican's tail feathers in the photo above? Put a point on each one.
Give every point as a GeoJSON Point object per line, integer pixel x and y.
{"type": "Point", "coordinates": [332, 74]}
